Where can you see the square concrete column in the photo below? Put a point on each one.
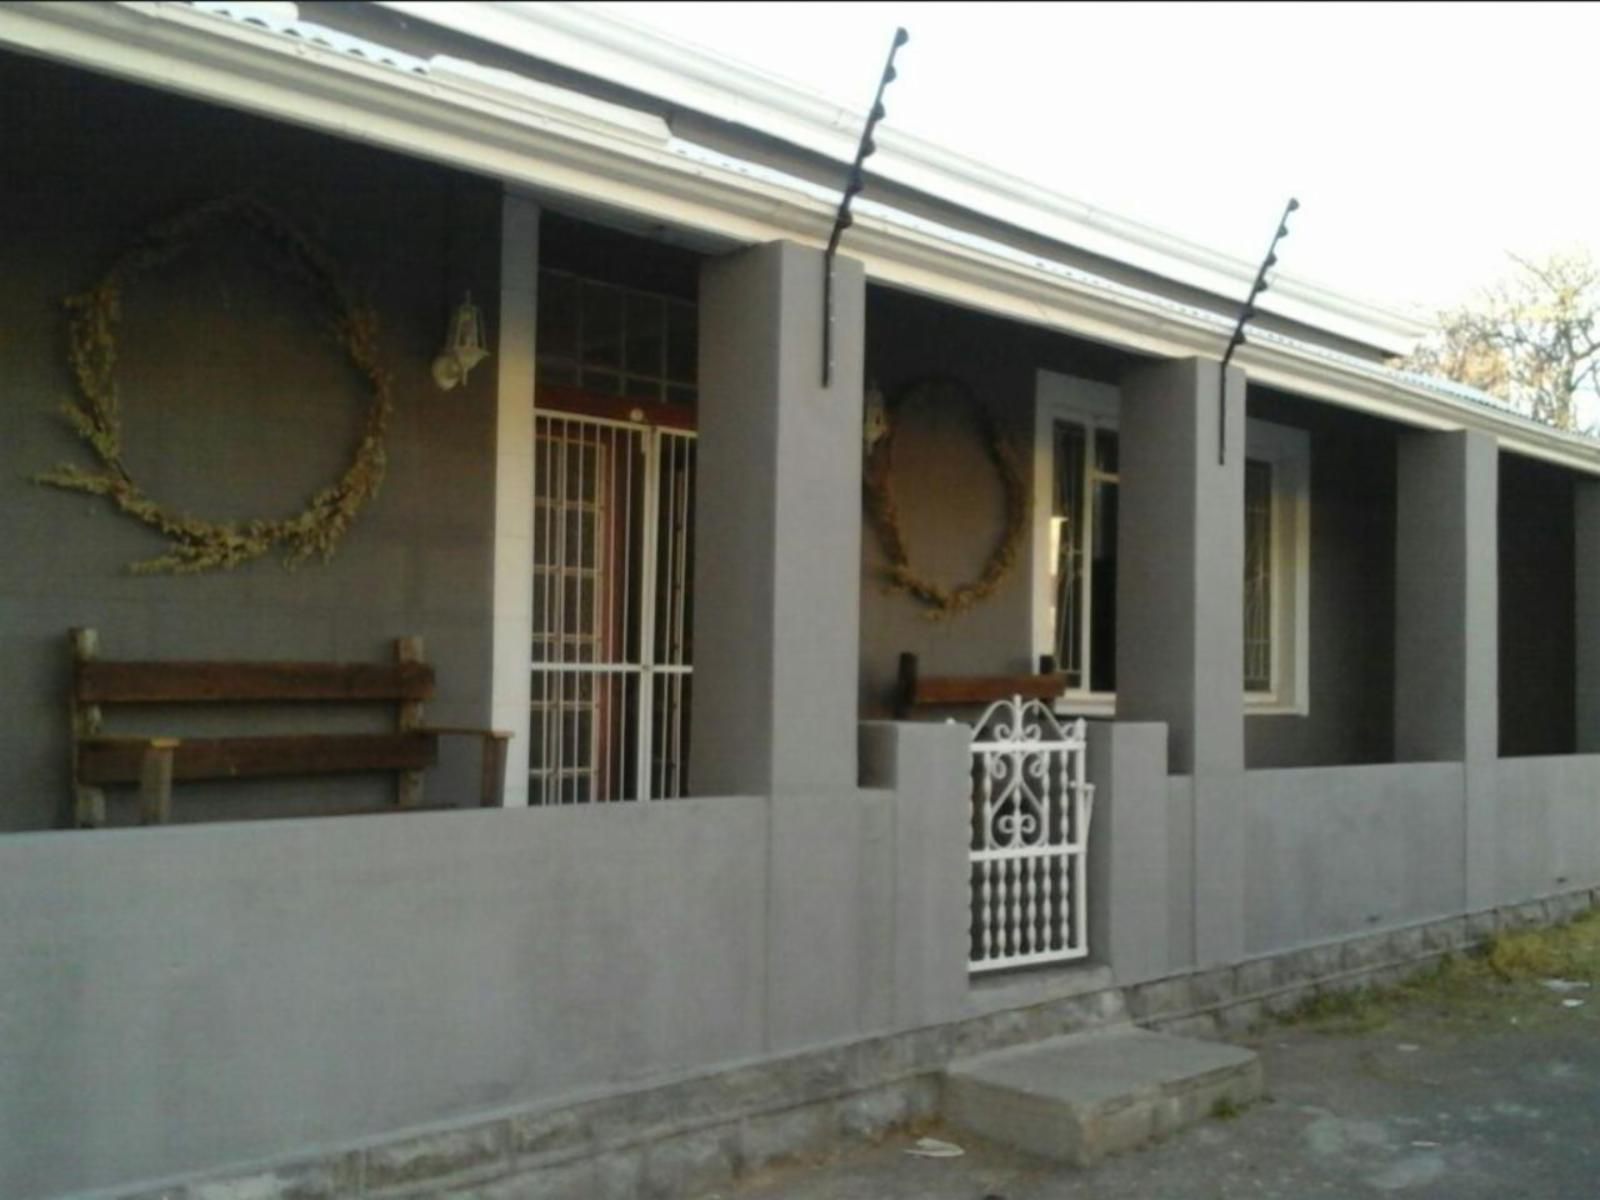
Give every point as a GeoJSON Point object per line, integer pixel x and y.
{"type": "Point", "coordinates": [1446, 669]}
{"type": "Point", "coordinates": [1446, 662]}
{"type": "Point", "coordinates": [1180, 550]}
{"type": "Point", "coordinates": [1129, 869]}
{"type": "Point", "coordinates": [777, 526]}
{"type": "Point", "coordinates": [1180, 611]}
{"type": "Point", "coordinates": [1586, 561]}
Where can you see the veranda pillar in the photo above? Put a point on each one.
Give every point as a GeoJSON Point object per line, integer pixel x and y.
{"type": "Point", "coordinates": [1446, 666]}
{"type": "Point", "coordinates": [1180, 604]}
{"type": "Point", "coordinates": [778, 526]}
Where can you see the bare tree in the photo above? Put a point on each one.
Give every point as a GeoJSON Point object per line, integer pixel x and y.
{"type": "Point", "coordinates": [1532, 339]}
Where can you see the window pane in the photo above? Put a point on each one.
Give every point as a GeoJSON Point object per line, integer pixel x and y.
{"type": "Point", "coordinates": [558, 317]}
{"type": "Point", "coordinates": [603, 382]}
{"type": "Point", "coordinates": [645, 335]}
{"type": "Point", "coordinates": [683, 342]}
{"type": "Point", "coordinates": [557, 371]}
{"type": "Point", "coordinates": [602, 326]}
{"type": "Point", "coordinates": [1105, 451]}
{"type": "Point", "coordinates": [1103, 591]}
{"type": "Point", "coordinates": [1257, 576]}
{"type": "Point", "coordinates": [1068, 527]}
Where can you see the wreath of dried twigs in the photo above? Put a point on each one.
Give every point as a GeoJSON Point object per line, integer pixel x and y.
{"type": "Point", "coordinates": [197, 545]}
{"type": "Point", "coordinates": [943, 601]}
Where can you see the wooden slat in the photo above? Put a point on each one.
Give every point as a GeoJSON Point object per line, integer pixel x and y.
{"type": "Point", "coordinates": [493, 784]}
{"type": "Point", "coordinates": [985, 689]}
{"type": "Point", "coordinates": [119, 760]}
{"type": "Point", "coordinates": [109, 682]}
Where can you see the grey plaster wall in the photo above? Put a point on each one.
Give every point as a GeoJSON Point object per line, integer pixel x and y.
{"type": "Point", "coordinates": [235, 404]}
{"type": "Point", "coordinates": [1340, 851]}
{"type": "Point", "coordinates": [1538, 626]}
{"type": "Point", "coordinates": [193, 997]}
{"type": "Point", "coordinates": [1547, 835]}
{"type": "Point", "coordinates": [1129, 868]}
{"type": "Point", "coordinates": [1180, 872]}
{"type": "Point", "coordinates": [1352, 593]}
{"type": "Point", "coordinates": [950, 500]}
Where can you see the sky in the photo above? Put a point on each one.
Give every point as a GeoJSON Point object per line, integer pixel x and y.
{"type": "Point", "coordinates": [1424, 142]}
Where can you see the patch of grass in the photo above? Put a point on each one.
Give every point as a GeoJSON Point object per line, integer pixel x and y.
{"type": "Point", "coordinates": [1225, 1108]}
{"type": "Point", "coordinates": [1570, 951]}
{"type": "Point", "coordinates": [1471, 988]}
{"type": "Point", "coordinates": [1346, 1010]}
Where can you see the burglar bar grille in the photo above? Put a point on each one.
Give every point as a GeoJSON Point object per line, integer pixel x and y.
{"type": "Point", "coordinates": [612, 555]}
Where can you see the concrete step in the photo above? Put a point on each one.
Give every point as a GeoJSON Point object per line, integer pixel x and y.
{"type": "Point", "coordinates": [1075, 1099]}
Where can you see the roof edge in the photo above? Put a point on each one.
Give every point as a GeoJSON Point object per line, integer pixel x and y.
{"type": "Point", "coordinates": [612, 47]}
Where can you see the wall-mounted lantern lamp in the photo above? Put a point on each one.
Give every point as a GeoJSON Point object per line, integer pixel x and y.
{"type": "Point", "coordinates": [463, 347]}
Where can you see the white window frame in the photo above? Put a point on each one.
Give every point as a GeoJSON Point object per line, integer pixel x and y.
{"type": "Point", "coordinates": [1096, 406]}
{"type": "Point", "coordinates": [1289, 453]}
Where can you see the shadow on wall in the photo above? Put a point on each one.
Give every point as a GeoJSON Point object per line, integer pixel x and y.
{"type": "Point", "coordinates": [1538, 615]}
{"type": "Point", "coordinates": [235, 404]}
{"type": "Point", "coordinates": [950, 498]}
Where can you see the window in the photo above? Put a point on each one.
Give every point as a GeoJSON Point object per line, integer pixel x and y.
{"type": "Point", "coordinates": [615, 341]}
{"type": "Point", "coordinates": [1076, 550]}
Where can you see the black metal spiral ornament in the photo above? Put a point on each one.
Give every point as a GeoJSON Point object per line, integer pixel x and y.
{"type": "Point", "coordinates": [1246, 314]}
{"type": "Point", "coordinates": [854, 182]}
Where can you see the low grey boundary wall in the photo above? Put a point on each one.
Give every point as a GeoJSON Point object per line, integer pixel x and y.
{"type": "Point", "coordinates": [704, 1131]}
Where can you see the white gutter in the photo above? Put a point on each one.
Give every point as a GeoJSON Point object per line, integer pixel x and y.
{"type": "Point", "coordinates": [609, 46]}
{"type": "Point", "coordinates": [553, 141]}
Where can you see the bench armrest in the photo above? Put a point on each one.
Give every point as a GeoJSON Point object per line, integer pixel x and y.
{"type": "Point", "coordinates": [492, 783]}
{"type": "Point", "coordinates": [464, 730]}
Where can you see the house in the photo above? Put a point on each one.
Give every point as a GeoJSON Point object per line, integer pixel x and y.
{"type": "Point", "coordinates": [1334, 628]}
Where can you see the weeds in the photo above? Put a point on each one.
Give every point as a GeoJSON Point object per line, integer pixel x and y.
{"type": "Point", "coordinates": [1569, 951]}
{"type": "Point", "coordinates": [1225, 1108]}
{"type": "Point", "coordinates": [1471, 987]}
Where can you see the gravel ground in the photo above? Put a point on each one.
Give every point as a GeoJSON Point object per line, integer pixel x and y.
{"type": "Point", "coordinates": [1465, 1086]}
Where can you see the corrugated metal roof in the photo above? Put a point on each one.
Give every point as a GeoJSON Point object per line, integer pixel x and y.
{"type": "Point", "coordinates": [283, 20]}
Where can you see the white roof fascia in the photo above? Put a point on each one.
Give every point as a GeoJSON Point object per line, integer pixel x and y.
{"type": "Point", "coordinates": [553, 141]}
{"type": "Point", "coordinates": [609, 46]}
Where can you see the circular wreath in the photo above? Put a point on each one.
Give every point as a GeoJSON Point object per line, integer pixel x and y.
{"type": "Point", "coordinates": [199, 545]}
{"type": "Point", "coordinates": [943, 600]}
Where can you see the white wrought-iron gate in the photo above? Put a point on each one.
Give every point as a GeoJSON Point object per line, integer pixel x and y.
{"type": "Point", "coordinates": [1031, 806]}
{"type": "Point", "coordinates": [613, 565]}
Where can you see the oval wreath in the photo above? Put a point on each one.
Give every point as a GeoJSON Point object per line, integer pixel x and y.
{"type": "Point", "coordinates": [944, 600]}
{"type": "Point", "coordinates": [198, 545]}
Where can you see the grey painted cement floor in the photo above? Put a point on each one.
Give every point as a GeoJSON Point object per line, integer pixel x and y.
{"type": "Point", "coordinates": [1499, 1100]}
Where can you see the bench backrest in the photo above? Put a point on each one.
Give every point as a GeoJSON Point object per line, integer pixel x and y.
{"type": "Point", "coordinates": [104, 682]}
{"type": "Point", "coordinates": [100, 760]}
{"type": "Point", "coordinates": [914, 690]}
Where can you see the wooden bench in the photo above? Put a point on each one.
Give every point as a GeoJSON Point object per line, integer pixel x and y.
{"type": "Point", "coordinates": [913, 690]}
{"type": "Point", "coordinates": [153, 763]}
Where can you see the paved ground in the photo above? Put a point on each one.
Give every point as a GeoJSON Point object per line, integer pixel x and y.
{"type": "Point", "coordinates": [1485, 1089]}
